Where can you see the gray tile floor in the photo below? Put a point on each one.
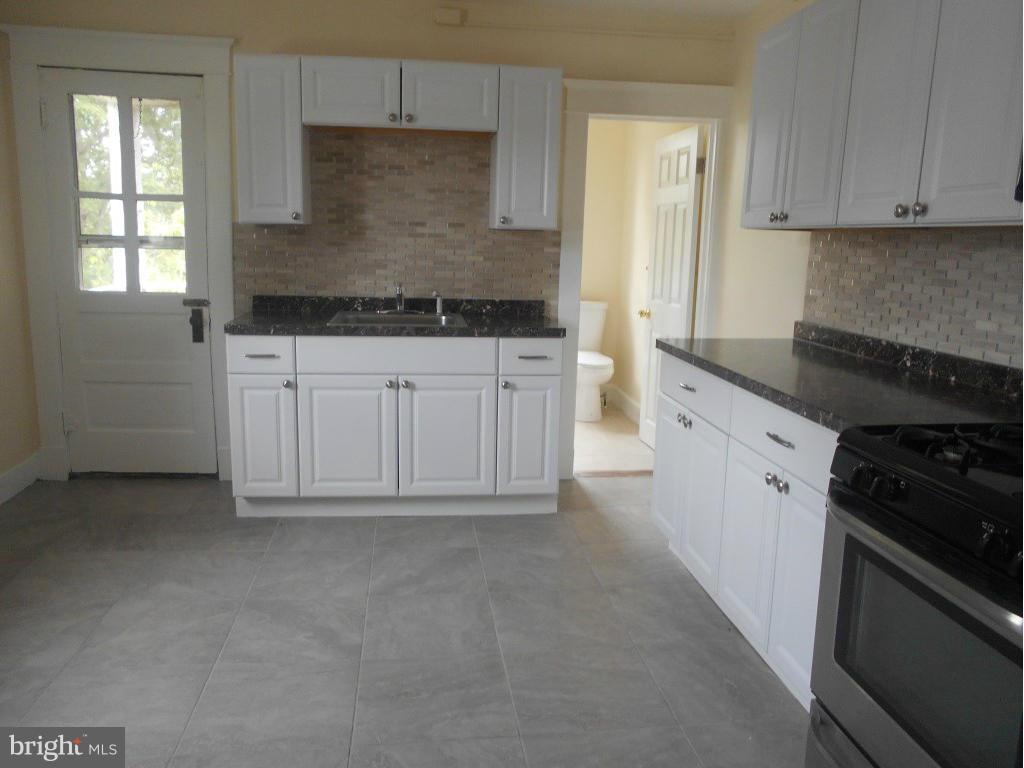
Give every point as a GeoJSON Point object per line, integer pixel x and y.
{"type": "Point", "coordinates": [569, 640]}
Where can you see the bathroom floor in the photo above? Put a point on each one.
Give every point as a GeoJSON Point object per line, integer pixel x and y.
{"type": "Point", "coordinates": [610, 445]}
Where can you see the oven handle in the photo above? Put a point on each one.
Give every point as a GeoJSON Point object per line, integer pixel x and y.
{"type": "Point", "coordinates": [1001, 621]}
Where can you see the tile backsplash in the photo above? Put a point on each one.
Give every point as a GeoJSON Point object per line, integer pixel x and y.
{"type": "Point", "coordinates": [955, 290]}
{"type": "Point", "coordinates": [396, 206]}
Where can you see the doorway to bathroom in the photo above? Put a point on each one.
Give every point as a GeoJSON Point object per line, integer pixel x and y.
{"type": "Point", "coordinates": [641, 239]}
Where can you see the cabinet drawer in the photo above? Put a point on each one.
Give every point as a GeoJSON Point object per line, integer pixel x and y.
{"type": "Point", "coordinates": [703, 392]}
{"type": "Point", "coordinates": [540, 357]}
{"type": "Point", "coordinates": [800, 446]}
{"type": "Point", "coordinates": [261, 354]}
{"type": "Point", "coordinates": [381, 354]}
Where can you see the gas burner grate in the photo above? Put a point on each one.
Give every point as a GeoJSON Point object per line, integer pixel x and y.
{"type": "Point", "coordinates": [995, 448]}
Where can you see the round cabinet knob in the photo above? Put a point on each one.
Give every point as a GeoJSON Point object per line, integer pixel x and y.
{"type": "Point", "coordinates": [504, 220]}
{"type": "Point", "coordinates": [405, 384]}
{"type": "Point", "coordinates": [769, 478]}
{"type": "Point", "coordinates": [773, 217]}
{"type": "Point", "coordinates": [644, 314]}
{"type": "Point", "coordinates": [287, 384]}
{"type": "Point", "coordinates": [506, 385]}
{"type": "Point", "coordinates": [919, 208]}
{"type": "Point", "coordinates": [783, 217]}
{"type": "Point", "coordinates": [679, 418]}
{"type": "Point", "coordinates": [900, 211]}
{"type": "Point", "coordinates": [687, 422]}
{"type": "Point", "coordinates": [392, 117]}
{"type": "Point", "coordinates": [296, 215]}
{"type": "Point", "coordinates": [389, 384]}
{"type": "Point", "coordinates": [409, 117]}
{"type": "Point", "coordinates": [781, 486]}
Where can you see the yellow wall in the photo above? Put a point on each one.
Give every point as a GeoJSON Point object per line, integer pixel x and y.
{"type": "Point", "coordinates": [19, 436]}
{"type": "Point", "coordinates": [758, 285]}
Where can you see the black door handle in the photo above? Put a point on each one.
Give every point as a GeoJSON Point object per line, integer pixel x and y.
{"type": "Point", "coordinates": [195, 319]}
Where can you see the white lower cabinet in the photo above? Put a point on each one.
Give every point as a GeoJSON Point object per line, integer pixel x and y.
{"type": "Point", "coordinates": [264, 459]}
{"type": "Point", "coordinates": [749, 525]}
{"type": "Point", "coordinates": [348, 435]}
{"type": "Point", "coordinates": [528, 408]}
{"type": "Point", "coordinates": [447, 435]}
{"type": "Point", "coordinates": [669, 459]}
{"type": "Point", "coordinates": [795, 585]}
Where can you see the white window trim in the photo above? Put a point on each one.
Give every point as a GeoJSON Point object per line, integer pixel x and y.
{"type": "Point", "coordinates": [706, 104]}
{"type": "Point", "coordinates": [210, 57]}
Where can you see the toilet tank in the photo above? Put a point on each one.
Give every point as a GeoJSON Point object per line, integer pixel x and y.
{"type": "Point", "coordinates": [592, 324]}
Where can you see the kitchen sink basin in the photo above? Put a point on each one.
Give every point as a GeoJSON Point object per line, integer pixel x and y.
{"type": "Point", "coordinates": [398, 318]}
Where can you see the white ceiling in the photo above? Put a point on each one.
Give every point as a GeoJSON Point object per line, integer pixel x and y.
{"type": "Point", "coordinates": [717, 9]}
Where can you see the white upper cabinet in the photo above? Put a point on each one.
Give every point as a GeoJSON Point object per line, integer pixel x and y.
{"type": "Point", "coordinates": [451, 97]}
{"type": "Point", "coordinates": [528, 434]}
{"type": "Point", "coordinates": [771, 116]}
{"type": "Point", "coordinates": [972, 147]}
{"type": "Point", "coordinates": [525, 154]}
{"type": "Point", "coordinates": [270, 141]}
{"type": "Point", "coordinates": [892, 76]}
{"type": "Point", "coordinates": [341, 90]}
{"type": "Point", "coordinates": [814, 163]}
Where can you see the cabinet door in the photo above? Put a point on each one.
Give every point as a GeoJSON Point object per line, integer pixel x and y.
{"type": "Point", "coordinates": [972, 148]}
{"type": "Point", "coordinates": [447, 435]}
{"type": "Point", "coordinates": [270, 141]}
{"type": "Point", "coordinates": [892, 73]}
{"type": "Point", "coordinates": [828, 30]}
{"type": "Point", "coordinates": [264, 459]}
{"type": "Point", "coordinates": [525, 152]}
{"type": "Point", "coordinates": [342, 90]}
{"type": "Point", "coordinates": [771, 115]}
{"type": "Point", "coordinates": [450, 97]}
{"type": "Point", "coordinates": [670, 462]}
{"type": "Point", "coordinates": [528, 434]}
{"type": "Point", "coordinates": [700, 525]}
{"type": "Point", "coordinates": [749, 529]}
{"type": "Point", "coordinates": [795, 589]}
{"type": "Point", "coordinates": [348, 435]}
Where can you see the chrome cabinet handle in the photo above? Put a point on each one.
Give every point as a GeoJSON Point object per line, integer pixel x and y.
{"type": "Point", "coordinates": [409, 117]}
{"type": "Point", "coordinates": [780, 440]}
{"type": "Point", "coordinates": [687, 423]}
{"type": "Point", "coordinates": [769, 478]}
{"type": "Point", "coordinates": [392, 117]}
{"type": "Point", "coordinates": [262, 356]}
{"type": "Point", "coordinates": [534, 357]}
{"type": "Point", "coordinates": [406, 384]}
{"type": "Point", "coordinates": [388, 383]}
{"type": "Point", "coordinates": [687, 387]}
{"type": "Point", "coordinates": [900, 211]}
{"type": "Point", "coordinates": [287, 384]}
{"type": "Point", "coordinates": [773, 217]}
{"type": "Point", "coordinates": [506, 385]}
{"type": "Point", "coordinates": [781, 485]}
{"type": "Point", "coordinates": [296, 215]}
{"type": "Point", "coordinates": [919, 208]}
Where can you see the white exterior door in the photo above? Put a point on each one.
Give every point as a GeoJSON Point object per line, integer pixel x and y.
{"type": "Point", "coordinates": [972, 148]}
{"type": "Point", "coordinates": [673, 262]}
{"type": "Point", "coordinates": [795, 586]}
{"type": "Point", "coordinates": [892, 78]}
{"type": "Point", "coordinates": [447, 435]}
{"type": "Point", "coordinates": [771, 116]}
{"type": "Point", "coordinates": [342, 90]}
{"type": "Point", "coordinates": [749, 528]}
{"type": "Point", "coordinates": [703, 484]}
{"type": "Point", "coordinates": [127, 193]}
{"type": "Point", "coordinates": [348, 435]}
{"type": "Point", "coordinates": [264, 457]}
{"type": "Point", "coordinates": [450, 97]}
{"type": "Point", "coordinates": [528, 434]}
{"type": "Point", "coordinates": [670, 462]}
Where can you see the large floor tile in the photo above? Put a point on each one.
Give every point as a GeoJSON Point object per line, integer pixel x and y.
{"type": "Point", "coordinates": [425, 531]}
{"type": "Point", "coordinates": [545, 621]}
{"type": "Point", "coordinates": [265, 716]}
{"type": "Point", "coordinates": [511, 568]}
{"type": "Point", "coordinates": [312, 633]}
{"type": "Point", "coordinates": [46, 635]}
{"type": "Point", "coordinates": [305, 575]}
{"type": "Point", "coordinates": [405, 569]}
{"type": "Point", "coordinates": [544, 534]}
{"type": "Point", "coordinates": [200, 531]}
{"type": "Point", "coordinates": [20, 687]}
{"type": "Point", "coordinates": [323, 534]}
{"type": "Point", "coordinates": [584, 691]}
{"type": "Point", "coordinates": [618, 570]}
{"type": "Point", "coordinates": [476, 753]}
{"type": "Point", "coordinates": [777, 743]}
{"type": "Point", "coordinates": [145, 496]}
{"type": "Point", "coordinates": [428, 626]}
{"type": "Point", "coordinates": [637, 748]}
{"type": "Point", "coordinates": [593, 492]}
{"type": "Point", "coordinates": [433, 699]}
{"type": "Point", "coordinates": [220, 574]}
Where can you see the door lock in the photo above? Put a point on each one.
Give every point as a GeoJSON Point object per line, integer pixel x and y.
{"type": "Point", "coordinates": [195, 319]}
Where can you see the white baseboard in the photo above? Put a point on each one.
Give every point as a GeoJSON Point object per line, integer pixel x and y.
{"type": "Point", "coordinates": [622, 401]}
{"type": "Point", "coordinates": [387, 506]}
{"type": "Point", "coordinates": [223, 462]}
{"type": "Point", "coordinates": [19, 477]}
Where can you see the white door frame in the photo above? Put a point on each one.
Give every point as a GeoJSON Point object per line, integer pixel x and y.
{"type": "Point", "coordinates": [35, 47]}
{"type": "Point", "coordinates": [709, 105]}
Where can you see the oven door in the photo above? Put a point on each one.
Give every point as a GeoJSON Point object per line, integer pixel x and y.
{"type": "Point", "coordinates": [917, 668]}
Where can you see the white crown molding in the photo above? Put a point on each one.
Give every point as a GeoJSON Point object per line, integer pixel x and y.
{"type": "Point", "coordinates": [93, 49]}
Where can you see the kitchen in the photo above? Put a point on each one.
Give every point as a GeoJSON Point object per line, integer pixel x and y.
{"type": "Point", "coordinates": [369, 342]}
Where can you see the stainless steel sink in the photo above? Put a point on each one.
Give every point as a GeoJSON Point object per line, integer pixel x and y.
{"type": "Point", "coordinates": [397, 318]}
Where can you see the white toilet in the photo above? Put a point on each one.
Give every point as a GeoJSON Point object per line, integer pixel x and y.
{"type": "Point", "coordinates": [592, 368]}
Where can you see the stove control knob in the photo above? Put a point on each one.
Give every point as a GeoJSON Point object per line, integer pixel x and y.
{"type": "Point", "coordinates": [984, 541]}
{"type": "Point", "coordinates": [885, 487]}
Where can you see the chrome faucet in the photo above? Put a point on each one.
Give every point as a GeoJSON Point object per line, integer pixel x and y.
{"type": "Point", "coordinates": [399, 298]}
{"type": "Point", "coordinates": [438, 305]}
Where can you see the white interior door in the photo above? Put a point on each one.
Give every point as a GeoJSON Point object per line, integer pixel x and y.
{"type": "Point", "coordinates": [677, 190]}
{"type": "Point", "coordinates": [126, 190]}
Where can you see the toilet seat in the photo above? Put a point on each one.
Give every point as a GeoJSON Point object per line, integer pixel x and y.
{"type": "Point", "coordinates": [590, 359]}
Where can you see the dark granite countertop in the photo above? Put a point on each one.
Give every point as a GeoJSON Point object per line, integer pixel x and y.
{"type": "Point", "coordinates": [308, 316]}
{"type": "Point", "coordinates": [838, 389]}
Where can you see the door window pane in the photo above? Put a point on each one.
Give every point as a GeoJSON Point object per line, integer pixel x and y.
{"type": "Point", "coordinates": [100, 217]}
{"type": "Point", "coordinates": [157, 124]}
{"type": "Point", "coordinates": [102, 269]}
{"type": "Point", "coordinates": [162, 270]}
{"type": "Point", "coordinates": [97, 143]}
{"type": "Point", "coordinates": [161, 218]}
